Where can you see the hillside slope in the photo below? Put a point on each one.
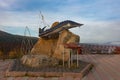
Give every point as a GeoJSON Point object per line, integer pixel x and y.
{"type": "Point", "coordinates": [11, 45]}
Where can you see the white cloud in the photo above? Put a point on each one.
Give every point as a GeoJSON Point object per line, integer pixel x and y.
{"type": "Point", "coordinates": [99, 31]}
{"type": "Point", "coordinates": [18, 18]}
{"type": "Point", "coordinates": [94, 16]}
{"type": "Point", "coordinates": [5, 4]}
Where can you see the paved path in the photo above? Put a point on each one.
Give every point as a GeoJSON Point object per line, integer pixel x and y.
{"type": "Point", "coordinates": [106, 67]}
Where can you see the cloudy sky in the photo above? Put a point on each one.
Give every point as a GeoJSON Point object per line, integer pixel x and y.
{"type": "Point", "coordinates": [101, 18]}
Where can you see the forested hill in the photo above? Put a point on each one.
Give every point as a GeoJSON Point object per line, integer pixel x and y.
{"type": "Point", "coordinates": [7, 37]}
{"type": "Point", "coordinates": [13, 43]}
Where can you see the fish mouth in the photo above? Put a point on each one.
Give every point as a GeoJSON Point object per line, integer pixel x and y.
{"type": "Point", "coordinates": [73, 26]}
{"type": "Point", "coordinates": [78, 25]}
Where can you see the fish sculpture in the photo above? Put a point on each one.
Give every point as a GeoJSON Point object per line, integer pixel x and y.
{"type": "Point", "coordinates": [58, 28]}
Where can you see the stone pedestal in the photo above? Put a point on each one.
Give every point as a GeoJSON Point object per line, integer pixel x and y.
{"type": "Point", "coordinates": [38, 61]}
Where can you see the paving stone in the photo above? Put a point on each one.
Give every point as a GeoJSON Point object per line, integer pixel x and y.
{"type": "Point", "coordinates": [32, 78]}
{"type": "Point", "coordinates": [10, 78]}
{"type": "Point", "coordinates": [35, 74]}
{"type": "Point", "coordinates": [69, 78]}
{"type": "Point", "coordinates": [54, 78]}
{"type": "Point", "coordinates": [53, 74]}
{"type": "Point", "coordinates": [72, 74]}
{"type": "Point", "coordinates": [3, 78]}
{"type": "Point", "coordinates": [77, 78]}
{"type": "Point", "coordinates": [61, 78]}
{"type": "Point", "coordinates": [18, 78]}
{"type": "Point", "coordinates": [15, 73]}
{"type": "Point", "coordinates": [40, 78]}
{"type": "Point", "coordinates": [48, 78]}
{"type": "Point", "coordinates": [24, 78]}
{"type": "Point", "coordinates": [2, 74]}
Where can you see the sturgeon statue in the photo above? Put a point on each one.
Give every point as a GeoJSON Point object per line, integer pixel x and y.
{"type": "Point", "coordinates": [58, 28]}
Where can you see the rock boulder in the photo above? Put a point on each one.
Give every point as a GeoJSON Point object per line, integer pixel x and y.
{"type": "Point", "coordinates": [65, 37]}
{"type": "Point", "coordinates": [44, 47]}
{"type": "Point", "coordinates": [50, 52]}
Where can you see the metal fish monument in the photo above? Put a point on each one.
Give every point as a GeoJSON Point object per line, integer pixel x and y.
{"type": "Point", "coordinates": [58, 28]}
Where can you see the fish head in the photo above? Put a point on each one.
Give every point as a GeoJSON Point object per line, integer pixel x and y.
{"type": "Point", "coordinates": [71, 24]}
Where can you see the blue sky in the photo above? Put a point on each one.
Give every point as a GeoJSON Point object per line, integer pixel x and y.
{"type": "Point", "coordinates": [101, 18]}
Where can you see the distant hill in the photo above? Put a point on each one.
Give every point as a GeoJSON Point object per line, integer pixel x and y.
{"type": "Point", "coordinates": [7, 37]}
{"type": "Point", "coordinates": [10, 43]}
{"type": "Point", "coordinates": [2, 33]}
{"type": "Point", "coordinates": [117, 43]}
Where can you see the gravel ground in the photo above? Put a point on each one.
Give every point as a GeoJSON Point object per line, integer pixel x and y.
{"type": "Point", "coordinates": [17, 66]}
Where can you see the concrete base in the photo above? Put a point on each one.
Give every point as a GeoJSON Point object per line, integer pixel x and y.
{"type": "Point", "coordinates": [80, 74]}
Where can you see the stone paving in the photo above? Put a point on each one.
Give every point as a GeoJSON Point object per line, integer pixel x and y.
{"type": "Point", "coordinates": [106, 67]}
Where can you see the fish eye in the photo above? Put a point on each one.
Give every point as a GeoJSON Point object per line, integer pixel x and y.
{"type": "Point", "coordinates": [68, 24]}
